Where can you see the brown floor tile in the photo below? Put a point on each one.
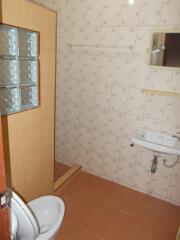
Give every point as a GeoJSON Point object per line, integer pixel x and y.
{"type": "Point", "coordinates": [59, 170]}
{"type": "Point", "coordinates": [113, 224]}
{"type": "Point", "coordinates": [70, 231]}
{"type": "Point", "coordinates": [82, 210]}
{"type": "Point", "coordinates": [160, 212]}
{"type": "Point", "coordinates": [126, 199]}
{"type": "Point", "coordinates": [66, 194]}
{"type": "Point", "coordinates": [87, 184]}
{"type": "Point", "coordinates": [113, 212]}
{"type": "Point", "coordinates": [147, 230]}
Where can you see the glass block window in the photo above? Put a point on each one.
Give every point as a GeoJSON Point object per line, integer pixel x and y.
{"type": "Point", "coordinates": [19, 69]}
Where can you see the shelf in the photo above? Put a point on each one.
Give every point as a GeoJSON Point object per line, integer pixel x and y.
{"type": "Point", "coordinates": [161, 92]}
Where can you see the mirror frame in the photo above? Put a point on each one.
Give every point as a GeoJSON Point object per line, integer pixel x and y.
{"type": "Point", "coordinates": [150, 47]}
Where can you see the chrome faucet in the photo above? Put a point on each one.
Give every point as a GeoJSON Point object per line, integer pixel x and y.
{"type": "Point", "coordinates": [177, 135]}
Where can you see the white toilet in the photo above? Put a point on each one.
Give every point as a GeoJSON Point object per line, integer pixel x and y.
{"type": "Point", "coordinates": [40, 219]}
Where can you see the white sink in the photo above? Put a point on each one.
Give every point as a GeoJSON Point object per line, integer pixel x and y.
{"type": "Point", "coordinates": [157, 141]}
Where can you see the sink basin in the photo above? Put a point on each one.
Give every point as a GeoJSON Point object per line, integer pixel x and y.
{"type": "Point", "coordinates": [157, 142]}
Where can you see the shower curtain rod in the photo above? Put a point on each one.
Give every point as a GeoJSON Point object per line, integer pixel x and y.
{"type": "Point", "coordinates": [98, 46]}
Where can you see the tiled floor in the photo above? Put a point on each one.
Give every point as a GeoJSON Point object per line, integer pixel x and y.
{"type": "Point", "coordinates": [97, 209]}
{"type": "Point", "coordinates": [59, 170]}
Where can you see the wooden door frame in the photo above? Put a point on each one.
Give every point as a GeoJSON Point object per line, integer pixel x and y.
{"type": "Point", "coordinates": [4, 213]}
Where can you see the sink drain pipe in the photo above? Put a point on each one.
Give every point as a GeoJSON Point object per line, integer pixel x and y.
{"type": "Point", "coordinates": [154, 164]}
{"type": "Point", "coordinates": [171, 165]}
{"type": "Point", "coordinates": [155, 161]}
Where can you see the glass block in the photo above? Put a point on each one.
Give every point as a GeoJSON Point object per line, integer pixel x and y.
{"type": "Point", "coordinates": [27, 44]}
{"type": "Point", "coordinates": [8, 41]}
{"type": "Point", "coordinates": [29, 96]}
{"type": "Point", "coordinates": [8, 72]}
{"type": "Point", "coordinates": [18, 69]}
{"type": "Point", "coordinates": [9, 100]}
{"type": "Point", "coordinates": [28, 71]}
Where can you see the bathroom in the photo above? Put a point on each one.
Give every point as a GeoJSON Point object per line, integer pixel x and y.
{"type": "Point", "coordinates": [101, 86]}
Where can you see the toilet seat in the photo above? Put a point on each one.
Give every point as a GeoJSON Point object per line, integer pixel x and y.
{"type": "Point", "coordinates": [25, 219]}
{"type": "Point", "coordinates": [40, 219]}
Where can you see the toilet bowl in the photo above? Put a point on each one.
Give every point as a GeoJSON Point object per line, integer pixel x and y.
{"type": "Point", "coordinates": [40, 219]}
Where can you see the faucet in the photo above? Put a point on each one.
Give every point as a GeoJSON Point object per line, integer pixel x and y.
{"type": "Point", "coordinates": [177, 135]}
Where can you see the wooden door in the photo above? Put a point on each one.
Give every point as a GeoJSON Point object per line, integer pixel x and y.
{"type": "Point", "coordinates": [4, 214]}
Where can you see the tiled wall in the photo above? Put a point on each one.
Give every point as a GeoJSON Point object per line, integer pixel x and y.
{"type": "Point", "coordinates": [100, 101]}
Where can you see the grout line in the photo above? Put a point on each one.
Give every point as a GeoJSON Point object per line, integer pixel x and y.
{"type": "Point", "coordinates": [86, 230]}
{"type": "Point", "coordinates": [95, 216]}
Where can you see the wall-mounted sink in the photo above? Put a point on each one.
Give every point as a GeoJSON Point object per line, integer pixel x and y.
{"type": "Point", "coordinates": [157, 142]}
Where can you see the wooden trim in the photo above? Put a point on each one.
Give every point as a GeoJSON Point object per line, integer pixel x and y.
{"type": "Point", "coordinates": [4, 213]}
{"type": "Point", "coordinates": [178, 234]}
{"type": "Point", "coordinates": [161, 92]}
{"type": "Point", "coordinates": [14, 26]}
{"type": "Point", "coordinates": [65, 177]}
{"type": "Point", "coordinates": [2, 167]}
{"type": "Point", "coordinates": [41, 5]}
{"type": "Point", "coordinates": [55, 95]}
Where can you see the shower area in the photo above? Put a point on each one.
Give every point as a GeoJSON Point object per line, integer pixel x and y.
{"type": "Point", "coordinates": [107, 88]}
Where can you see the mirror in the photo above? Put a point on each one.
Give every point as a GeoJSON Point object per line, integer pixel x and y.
{"type": "Point", "coordinates": [165, 49]}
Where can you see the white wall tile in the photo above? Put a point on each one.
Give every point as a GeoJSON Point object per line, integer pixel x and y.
{"type": "Point", "coordinates": [96, 163]}
{"type": "Point", "coordinates": [173, 109]}
{"type": "Point", "coordinates": [98, 142]}
{"type": "Point", "coordinates": [93, 13]}
{"type": "Point", "coordinates": [90, 68]}
{"type": "Point", "coordinates": [86, 116]}
{"type": "Point", "coordinates": [100, 120]}
{"type": "Point", "coordinates": [159, 185]}
{"type": "Point", "coordinates": [110, 168]}
{"type": "Point", "coordinates": [122, 71]}
{"type": "Point", "coordinates": [150, 12]}
{"type": "Point", "coordinates": [154, 110]}
{"type": "Point", "coordinates": [100, 102]}
{"type": "Point", "coordinates": [83, 158]}
{"type": "Point", "coordinates": [113, 146]}
{"type": "Point", "coordinates": [119, 98]}
{"type": "Point", "coordinates": [115, 123]}
{"type": "Point", "coordinates": [173, 194]}
{"type": "Point", "coordinates": [141, 178]}
{"type": "Point", "coordinates": [88, 93]}
{"type": "Point", "coordinates": [78, 12]}
{"type": "Point", "coordinates": [140, 74]}
{"type": "Point", "coordinates": [170, 13]}
{"type": "Point", "coordinates": [110, 13]}
{"type": "Point", "coordinates": [105, 70]}
{"type": "Point", "coordinates": [160, 79]}
{"type": "Point", "coordinates": [143, 41]}
{"type": "Point", "coordinates": [84, 138]}
{"type": "Point", "coordinates": [130, 13]}
{"type": "Point", "coordinates": [103, 95]}
{"type": "Point", "coordinates": [136, 101]}
{"type": "Point", "coordinates": [125, 173]}
{"type": "Point", "coordinates": [64, 13]}
{"type": "Point", "coordinates": [74, 90]}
